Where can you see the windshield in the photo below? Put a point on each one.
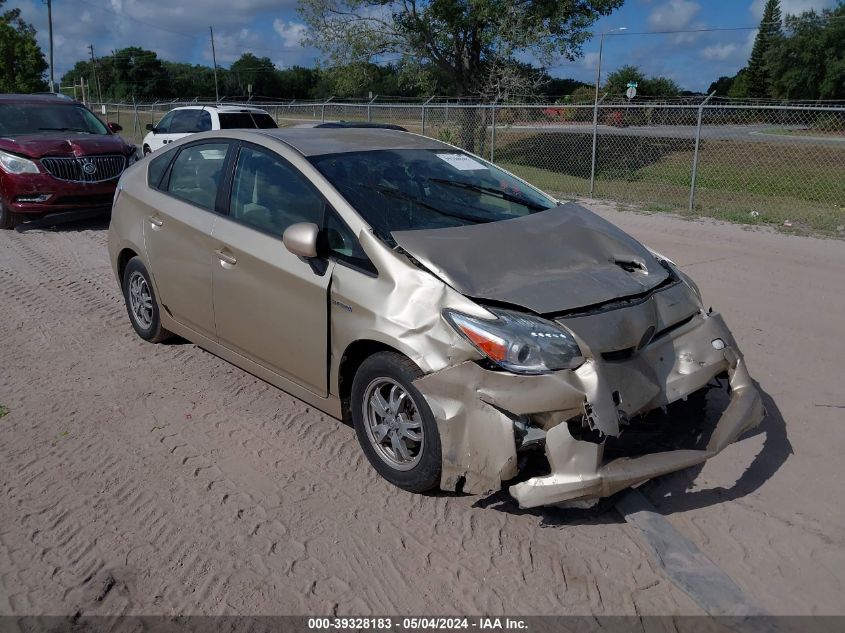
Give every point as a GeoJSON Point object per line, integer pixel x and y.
{"type": "Point", "coordinates": [47, 118]}
{"type": "Point", "coordinates": [249, 120]}
{"type": "Point", "coordinates": [406, 190]}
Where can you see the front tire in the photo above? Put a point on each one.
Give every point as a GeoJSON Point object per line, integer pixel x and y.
{"type": "Point", "coordinates": [9, 220]}
{"type": "Point", "coordinates": [147, 150]}
{"type": "Point", "coordinates": [394, 424]}
{"type": "Point", "coordinates": [141, 303]}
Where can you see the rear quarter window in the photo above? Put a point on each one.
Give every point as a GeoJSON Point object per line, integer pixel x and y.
{"type": "Point", "coordinates": [157, 168]}
{"type": "Point", "coordinates": [246, 120]}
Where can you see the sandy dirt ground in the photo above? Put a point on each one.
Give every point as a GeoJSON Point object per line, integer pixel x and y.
{"type": "Point", "coordinates": [159, 479]}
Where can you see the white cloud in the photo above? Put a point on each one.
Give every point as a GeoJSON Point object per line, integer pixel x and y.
{"type": "Point", "coordinates": [589, 61]}
{"type": "Point", "coordinates": [292, 33]}
{"type": "Point", "coordinates": [194, 17]}
{"type": "Point", "coordinates": [674, 14]}
{"type": "Point", "coordinates": [719, 51]}
{"type": "Point", "coordinates": [791, 7]}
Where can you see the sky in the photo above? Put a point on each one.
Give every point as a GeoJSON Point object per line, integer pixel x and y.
{"type": "Point", "coordinates": [178, 31]}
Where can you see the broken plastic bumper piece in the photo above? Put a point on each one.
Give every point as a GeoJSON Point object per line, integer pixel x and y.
{"type": "Point", "coordinates": [476, 409]}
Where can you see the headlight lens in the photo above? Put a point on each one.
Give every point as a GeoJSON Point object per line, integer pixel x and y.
{"type": "Point", "coordinates": [518, 342]}
{"type": "Point", "coordinates": [12, 164]}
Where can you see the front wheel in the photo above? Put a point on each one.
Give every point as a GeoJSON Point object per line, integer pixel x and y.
{"type": "Point", "coordinates": [394, 423]}
{"type": "Point", "coordinates": [9, 220]}
{"type": "Point", "coordinates": [141, 302]}
{"type": "Point", "coordinates": [147, 150]}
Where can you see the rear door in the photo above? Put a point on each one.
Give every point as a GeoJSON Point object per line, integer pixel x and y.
{"type": "Point", "coordinates": [178, 233]}
{"type": "Point", "coordinates": [270, 306]}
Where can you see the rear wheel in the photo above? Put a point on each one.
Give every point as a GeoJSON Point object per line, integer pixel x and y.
{"type": "Point", "coordinates": [9, 220]}
{"type": "Point", "coordinates": [147, 150]}
{"type": "Point", "coordinates": [141, 302]}
{"type": "Point", "coordinates": [394, 423]}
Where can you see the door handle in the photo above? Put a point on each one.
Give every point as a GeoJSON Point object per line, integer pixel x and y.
{"type": "Point", "coordinates": [156, 222]}
{"type": "Point", "coordinates": [226, 258]}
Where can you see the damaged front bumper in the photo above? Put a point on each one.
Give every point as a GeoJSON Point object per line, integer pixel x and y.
{"type": "Point", "coordinates": [476, 410]}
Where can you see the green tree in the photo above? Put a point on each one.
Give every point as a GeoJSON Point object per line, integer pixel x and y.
{"type": "Point", "coordinates": [809, 61]}
{"type": "Point", "coordinates": [298, 82]}
{"type": "Point", "coordinates": [556, 86]}
{"type": "Point", "coordinates": [190, 81]}
{"type": "Point", "coordinates": [466, 47]}
{"type": "Point", "coordinates": [126, 73]}
{"type": "Point", "coordinates": [759, 81]}
{"type": "Point", "coordinates": [721, 86]}
{"type": "Point", "coordinates": [258, 72]}
{"type": "Point", "coordinates": [23, 63]}
{"type": "Point", "coordinates": [617, 83]}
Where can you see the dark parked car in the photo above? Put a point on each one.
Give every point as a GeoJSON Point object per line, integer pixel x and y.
{"type": "Point", "coordinates": [56, 155]}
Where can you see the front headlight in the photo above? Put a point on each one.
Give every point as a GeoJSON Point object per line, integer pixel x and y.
{"type": "Point", "coordinates": [12, 164]}
{"type": "Point", "coordinates": [517, 342]}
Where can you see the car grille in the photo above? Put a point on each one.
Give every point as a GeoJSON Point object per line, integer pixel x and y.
{"type": "Point", "coordinates": [85, 168]}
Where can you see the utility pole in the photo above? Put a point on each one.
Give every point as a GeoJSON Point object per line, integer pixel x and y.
{"type": "Point", "coordinates": [50, 26]}
{"type": "Point", "coordinates": [96, 74]}
{"type": "Point", "coordinates": [214, 58]}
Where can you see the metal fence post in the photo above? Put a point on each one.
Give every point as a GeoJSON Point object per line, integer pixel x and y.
{"type": "Point", "coordinates": [424, 113]}
{"type": "Point", "coordinates": [369, 113]}
{"type": "Point", "coordinates": [136, 122]}
{"type": "Point", "coordinates": [493, 132]}
{"type": "Point", "coordinates": [595, 140]}
{"type": "Point", "coordinates": [323, 110]}
{"type": "Point", "coordinates": [695, 153]}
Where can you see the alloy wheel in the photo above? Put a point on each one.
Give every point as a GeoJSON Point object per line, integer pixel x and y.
{"type": "Point", "coordinates": [393, 424]}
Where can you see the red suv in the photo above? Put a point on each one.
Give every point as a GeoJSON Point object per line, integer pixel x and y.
{"type": "Point", "coordinates": [56, 155]}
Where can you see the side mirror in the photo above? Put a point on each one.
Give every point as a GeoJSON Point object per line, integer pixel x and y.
{"type": "Point", "coordinates": [151, 128]}
{"type": "Point", "coordinates": [114, 127]}
{"type": "Point", "coordinates": [301, 239]}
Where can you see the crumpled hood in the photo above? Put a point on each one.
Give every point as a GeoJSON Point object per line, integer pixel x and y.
{"type": "Point", "coordinates": [62, 144]}
{"type": "Point", "coordinates": [553, 261]}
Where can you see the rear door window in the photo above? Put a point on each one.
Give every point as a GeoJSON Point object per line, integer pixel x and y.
{"type": "Point", "coordinates": [190, 122]}
{"type": "Point", "coordinates": [197, 173]}
{"type": "Point", "coordinates": [158, 167]}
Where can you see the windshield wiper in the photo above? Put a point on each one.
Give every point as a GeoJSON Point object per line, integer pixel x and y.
{"type": "Point", "coordinates": [496, 193]}
{"type": "Point", "coordinates": [401, 195]}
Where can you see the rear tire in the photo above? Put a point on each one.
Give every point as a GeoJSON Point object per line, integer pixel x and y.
{"type": "Point", "coordinates": [147, 150]}
{"type": "Point", "coordinates": [394, 424]}
{"type": "Point", "coordinates": [141, 302]}
{"type": "Point", "coordinates": [9, 220]}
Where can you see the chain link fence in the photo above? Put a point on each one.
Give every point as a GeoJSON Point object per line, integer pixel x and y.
{"type": "Point", "coordinates": [775, 164]}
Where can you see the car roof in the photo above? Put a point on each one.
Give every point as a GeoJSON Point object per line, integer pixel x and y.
{"type": "Point", "coordinates": [320, 141]}
{"type": "Point", "coordinates": [218, 108]}
{"type": "Point", "coordinates": [39, 98]}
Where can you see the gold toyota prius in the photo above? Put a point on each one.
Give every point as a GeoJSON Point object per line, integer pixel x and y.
{"type": "Point", "coordinates": [473, 329]}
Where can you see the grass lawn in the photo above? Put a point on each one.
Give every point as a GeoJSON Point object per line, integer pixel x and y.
{"type": "Point", "coordinates": [747, 182]}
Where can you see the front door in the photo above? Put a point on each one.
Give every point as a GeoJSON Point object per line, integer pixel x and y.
{"type": "Point", "coordinates": [178, 234]}
{"type": "Point", "coordinates": [161, 135]}
{"type": "Point", "coordinates": [269, 305]}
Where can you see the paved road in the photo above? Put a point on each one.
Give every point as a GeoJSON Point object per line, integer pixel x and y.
{"type": "Point", "coordinates": [159, 479]}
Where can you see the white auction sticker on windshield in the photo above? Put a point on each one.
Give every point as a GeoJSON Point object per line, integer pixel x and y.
{"type": "Point", "coordinates": [461, 161]}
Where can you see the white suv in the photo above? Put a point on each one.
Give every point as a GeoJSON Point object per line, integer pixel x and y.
{"type": "Point", "coordinates": [186, 120]}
